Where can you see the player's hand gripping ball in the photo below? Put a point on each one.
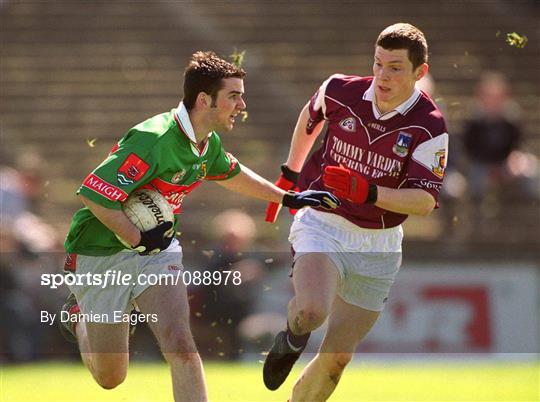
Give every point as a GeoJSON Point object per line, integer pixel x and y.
{"type": "Point", "coordinates": [155, 240]}
{"type": "Point", "coordinates": [150, 212]}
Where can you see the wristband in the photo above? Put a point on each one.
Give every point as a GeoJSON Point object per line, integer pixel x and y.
{"type": "Point", "coordinates": [373, 193]}
{"type": "Point", "coordinates": [289, 174]}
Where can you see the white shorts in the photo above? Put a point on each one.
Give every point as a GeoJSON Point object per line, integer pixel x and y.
{"type": "Point", "coordinates": [368, 260]}
{"type": "Point", "coordinates": [107, 303]}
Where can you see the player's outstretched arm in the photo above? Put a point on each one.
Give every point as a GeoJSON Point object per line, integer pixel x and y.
{"type": "Point", "coordinates": [251, 184]}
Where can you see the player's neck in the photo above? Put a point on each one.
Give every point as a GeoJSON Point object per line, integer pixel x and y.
{"type": "Point", "coordinates": [385, 107]}
{"type": "Point", "coordinates": [200, 127]}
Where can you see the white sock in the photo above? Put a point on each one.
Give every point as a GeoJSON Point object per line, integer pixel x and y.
{"type": "Point", "coordinates": [294, 348]}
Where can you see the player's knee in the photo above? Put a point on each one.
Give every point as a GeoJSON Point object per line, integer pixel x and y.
{"type": "Point", "coordinates": [312, 316]}
{"type": "Point", "coordinates": [182, 358]}
{"type": "Point", "coordinates": [340, 360]}
{"type": "Point", "coordinates": [336, 361]}
{"type": "Point", "coordinates": [111, 379]}
{"type": "Point", "coordinates": [177, 345]}
{"type": "Point", "coordinates": [335, 364]}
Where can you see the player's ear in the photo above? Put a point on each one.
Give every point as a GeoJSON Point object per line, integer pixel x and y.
{"type": "Point", "coordinates": [204, 100]}
{"type": "Point", "coordinates": [421, 71]}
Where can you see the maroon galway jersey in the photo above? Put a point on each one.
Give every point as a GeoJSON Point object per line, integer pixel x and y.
{"type": "Point", "coordinates": [403, 148]}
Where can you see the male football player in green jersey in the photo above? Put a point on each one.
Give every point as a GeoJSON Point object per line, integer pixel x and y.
{"type": "Point", "coordinates": [171, 153]}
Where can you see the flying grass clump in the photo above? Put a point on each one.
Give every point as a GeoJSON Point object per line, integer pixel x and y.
{"type": "Point", "coordinates": [517, 40]}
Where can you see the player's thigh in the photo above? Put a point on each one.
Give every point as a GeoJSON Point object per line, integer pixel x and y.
{"type": "Point", "coordinates": [108, 345]}
{"type": "Point", "coordinates": [315, 279]}
{"type": "Point", "coordinates": [347, 326]}
{"type": "Point", "coordinates": [169, 304]}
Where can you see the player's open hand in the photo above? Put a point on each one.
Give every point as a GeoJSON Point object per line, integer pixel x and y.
{"type": "Point", "coordinates": [155, 240]}
{"type": "Point", "coordinates": [349, 185]}
{"type": "Point", "coordinates": [311, 198]}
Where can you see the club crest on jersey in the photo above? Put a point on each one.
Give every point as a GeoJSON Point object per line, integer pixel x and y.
{"type": "Point", "coordinates": [403, 143]}
{"type": "Point", "coordinates": [348, 124]}
{"type": "Point", "coordinates": [440, 163]}
{"type": "Point", "coordinates": [202, 174]}
{"type": "Point", "coordinates": [178, 176]}
{"type": "Point", "coordinates": [132, 170]}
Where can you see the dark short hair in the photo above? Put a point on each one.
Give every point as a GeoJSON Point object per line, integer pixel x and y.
{"type": "Point", "coordinates": [405, 36]}
{"type": "Point", "coordinates": [204, 73]}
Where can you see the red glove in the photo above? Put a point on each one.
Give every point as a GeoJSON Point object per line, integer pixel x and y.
{"type": "Point", "coordinates": [349, 185]}
{"type": "Point", "coordinates": [286, 181]}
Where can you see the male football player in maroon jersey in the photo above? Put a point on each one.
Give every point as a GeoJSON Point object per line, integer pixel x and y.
{"type": "Point", "coordinates": [384, 154]}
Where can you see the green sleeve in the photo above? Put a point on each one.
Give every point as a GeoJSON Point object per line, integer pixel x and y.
{"type": "Point", "coordinates": [127, 167]}
{"type": "Point", "coordinates": [224, 166]}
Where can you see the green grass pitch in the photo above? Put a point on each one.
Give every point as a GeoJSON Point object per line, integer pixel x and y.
{"type": "Point", "coordinates": [371, 381]}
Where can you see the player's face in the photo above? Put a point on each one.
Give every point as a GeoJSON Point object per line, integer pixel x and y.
{"type": "Point", "coordinates": [394, 76]}
{"type": "Point", "coordinates": [228, 104]}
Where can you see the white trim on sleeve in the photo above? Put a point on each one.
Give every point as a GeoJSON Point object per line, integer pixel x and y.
{"type": "Point", "coordinates": [319, 103]}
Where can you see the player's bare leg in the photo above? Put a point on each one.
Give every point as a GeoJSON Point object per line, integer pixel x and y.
{"type": "Point", "coordinates": [173, 333]}
{"type": "Point", "coordinates": [104, 351]}
{"type": "Point", "coordinates": [315, 283]}
{"type": "Point", "coordinates": [347, 326]}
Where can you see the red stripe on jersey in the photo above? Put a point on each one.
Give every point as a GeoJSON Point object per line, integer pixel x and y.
{"type": "Point", "coordinates": [164, 187]}
{"type": "Point", "coordinates": [103, 188]}
{"type": "Point", "coordinates": [173, 193]}
{"type": "Point", "coordinates": [233, 164]}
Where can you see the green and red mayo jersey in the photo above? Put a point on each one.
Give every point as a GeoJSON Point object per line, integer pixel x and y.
{"type": "Point", "coordinates": [160, 153]}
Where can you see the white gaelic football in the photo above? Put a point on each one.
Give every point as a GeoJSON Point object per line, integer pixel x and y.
{"type": "Point", "coordinates": [146, 209]}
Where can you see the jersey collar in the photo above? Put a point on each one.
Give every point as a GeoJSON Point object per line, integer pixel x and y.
{"type": "Point", "coordinates": [182, 118]}
{"type": "Point", "coordinates": [403, 108]}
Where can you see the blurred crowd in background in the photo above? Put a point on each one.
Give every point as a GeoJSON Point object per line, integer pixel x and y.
{"type": "Point", "coordinates": [489, 170]}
